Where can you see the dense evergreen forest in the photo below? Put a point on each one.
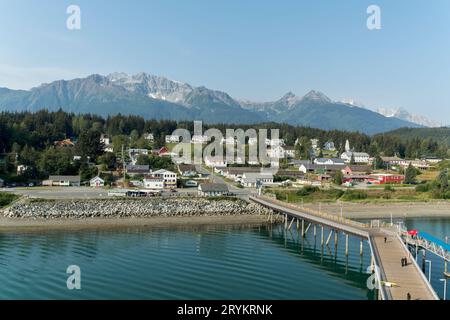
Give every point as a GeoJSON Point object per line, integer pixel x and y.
{"type": "Point", "coordinates": [28, 139]}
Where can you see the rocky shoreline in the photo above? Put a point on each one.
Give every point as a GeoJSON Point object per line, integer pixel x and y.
{"type": "Point", "coordinates": [130, 208]}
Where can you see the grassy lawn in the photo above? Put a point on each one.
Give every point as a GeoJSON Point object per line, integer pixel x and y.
{"type": "Point", "coordinates": [6, 198]}
{"type": "Point", "coordinates": [310, 195]}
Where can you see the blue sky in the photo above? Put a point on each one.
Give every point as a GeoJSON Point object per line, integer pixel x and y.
{"type": "Point", "coordinates": [256, 50]}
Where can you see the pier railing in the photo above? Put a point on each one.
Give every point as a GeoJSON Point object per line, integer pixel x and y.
{"type": "Point", "coordinates": [317, 213]}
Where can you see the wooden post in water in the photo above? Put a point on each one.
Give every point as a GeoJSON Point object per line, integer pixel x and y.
{"type": "Point", "coordinates": [361, 247]}
{"type": "Point", "coordinates": [322, 237]}
{"type": "Point", "coordinates": [346, 244]}
{"type": "Point", "coordinates": [336, 235]}
{"type": "Point", "coordinates": [285, 221]}
{"type": "Point", "coordinates": [303, 228]}
{"type": "Point", "coordinates": [298, 226]}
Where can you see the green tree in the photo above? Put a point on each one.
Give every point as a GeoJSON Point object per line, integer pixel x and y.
{"type": "Point", "coordinates": [338, 177]}
{"type": "Point", "coordinates": [89, 145]}
{"type": "Point", "coordinates": [410, 174]}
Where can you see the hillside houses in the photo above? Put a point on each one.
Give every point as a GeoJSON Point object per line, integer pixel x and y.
{"type": "Point", "coordinates": [329, 161]}
{"type": "Point", "coordinates": [256, 179]}
{"type": "Point", "coordinates": [359, 157]}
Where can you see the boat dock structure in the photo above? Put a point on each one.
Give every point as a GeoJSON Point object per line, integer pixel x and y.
{"type": "Point", "coordinates": [389, 245]}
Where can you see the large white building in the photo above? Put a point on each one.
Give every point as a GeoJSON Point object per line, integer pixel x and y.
{"type": "Point", "coordinates": [172, 139]}
{"type": "Point", "coordinates": [360, 157]}
{"type": "Point", "coordinates": [153, 183]}
{"type": "Point", "coordinates": [169, 177]}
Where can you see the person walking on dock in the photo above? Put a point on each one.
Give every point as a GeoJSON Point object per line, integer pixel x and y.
{"type": "Point", "coordinates": [403, 262]}
{"type": "Point", "coordinates": [385, 239]}
{"type": "Point", "coordinates": [408, 296]}
{"type": "Point", "coordinates": [406, 261]}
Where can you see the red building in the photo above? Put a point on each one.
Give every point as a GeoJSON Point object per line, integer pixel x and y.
{"type": "Point", "coordinates": [386, 178]}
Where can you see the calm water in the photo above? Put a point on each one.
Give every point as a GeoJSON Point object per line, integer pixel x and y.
{"type": "Point", "coordinates": [210, 262]}
{"type": "Point", "coordinates": [440, 228]}
{"type": "Point", "coordinates": [214, 262]}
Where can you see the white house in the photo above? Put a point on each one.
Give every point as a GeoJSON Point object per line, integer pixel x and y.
{"type": "Point", "coordinates": [169, 177]}
{"type": "Point", "coordinates": [105, 139]}
{"type": "Point", "coordinates": [215, 163]}
{"type": "Point", "coordinates": [254, 179]}
{"type": "Point", "coordinates": [329, 146]}
{"type": "Point", "coordinates": [134, 153]}
{"type": "Point", "coordinates": [360, 157]}
{"type": "Point", "coordinates": [155, 183]}
{"type": "Point", "coordinates": [62, 181]}
{"type": "Point", "coordinates": [315, 143]}
{"type": "Point", "coordinates": [252, 141]}
{"type": "Point", "coordinates": [212, 189]}
{"type": "Point", "coordinates": [275, 142]}
{"type": "Point", "coordinates": [97, 182]}
{"type": "Point", "coordinates": [289, 152]}
{"type": "Point", "coordinates": [326, 161]}
{"type": "Point", "coordinates": [21, 169]}
{"type": "Point", "coordinates": [276, 152]}
{"type": "Point", "coordinates": [199, 139]}
{"type": "Point", "coordinates": [228, 141]}
{"type": "Point", "coordinates": [149, 137]}
{"type": "Point", "coordinates": [172, 139]}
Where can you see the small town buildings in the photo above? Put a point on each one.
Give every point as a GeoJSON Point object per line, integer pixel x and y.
{"type": "Point", "coordinates": [172, 139]}
{"type": "Point", "coordinates": [105, 139]}
{"type": "Point", "coordinates": [161, 152]}
{"type": "Point", "coordinates": [213, 189]}
{"type": "Point", "coordinates": [149, 137]}
{"type": "Point", "coordinates": [62, 181]}
{"type": "Point", "coordinates": [432, 160]}
{"type": "Point", "coordinates": [235, 173]}
{"type": "Point", "coordinates": [228, 141]}
{"type": "Point", "coordinates": [319, 168]}
{"type": "Point", "coordinates": [252, 141]}
{"type": "Point", "coordinates": [256, 179]}
{"type": "Point", "coordinates": [394, 161]}
{"type": "Point", "coordinates": [64, 143]}
{"type": "Point", "coordinates": [215, 162]}
{"type": "Point", "coordinates": [137, 169]}
{"type": "Point", "coordinates": [276, 152]}
{"type": "Point", "coordinates": [97, 182]}
{"type": "Point", "coordinates": [328, 161]}
{"type": "Point", "coordinates": [108, 148]}
{"type": "Point", "coordinates": [419, 164]}
{"type": "Point", "coordinates": [191, 183]}
{"type": "Point", "coordinates": [356, 170]}
{"type": "Point", "coordinates": [289, 152]}
{"type": "Point", "coordinates": [187, 170]}
{"type": "Point", "coordinates": [386, 178]}
{"type": "Point", "coordinates": [169, 177]}
{"type": "Point", "coordinates": [135, 153]}
{"type": "Point", "coordinates": [198, 139]}
{"type": "Point", "coordinates": [298, 163]}
{"type": "Point", "coordinates": [155, 183]}
{"type": "Point", "coordinates": [360, 157]}
{"type": "Point", "coordinates": [315, 143]}
{"type": "Point", "coordinates": [329, 146]}
{"type": "Point", "coordinates": [21, 169]}
{"type": "Point", "coordinates": [275, 142]}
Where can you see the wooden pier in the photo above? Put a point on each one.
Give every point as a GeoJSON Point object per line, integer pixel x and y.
{"type": "Point", "coordinates": [396, 280]}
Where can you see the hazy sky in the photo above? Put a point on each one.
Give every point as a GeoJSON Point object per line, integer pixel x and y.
{"type": "Point", "coordinates": [252, 49]}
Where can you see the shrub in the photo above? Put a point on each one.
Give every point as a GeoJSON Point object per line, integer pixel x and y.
{"type": "Point", "coordinates": [6, 198]}
{"type": "Point", "coordinates": [423, 187]}
{"type": "Point", "coordinates": [389, 187]}
{"type": "Point", "coordinates": [354, 195]}
{"type": "Point", "coordinates": [307, 190]}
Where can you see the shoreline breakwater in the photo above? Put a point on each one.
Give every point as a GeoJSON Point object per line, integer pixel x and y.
{"type": "Point", "coordinates": [117, 208]}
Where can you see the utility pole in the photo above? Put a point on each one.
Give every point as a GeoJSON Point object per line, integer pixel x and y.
{"type": "Point", "coordinates": [123, 164]}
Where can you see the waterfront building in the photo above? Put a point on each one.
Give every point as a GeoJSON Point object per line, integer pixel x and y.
{"type": "Point", "coordinates": [62, 181]}
{"type": "Point", "coordinates": [137, 169]}
{"type": "Point", "coordinates": [386, 178]}
{"type": "Point", "coordinates": [97, 182]}
{"type": "Point", "coordinates": [213, 189]}
{"type": "Point", "coordinates": [169, 177]}
{"type": "Point", "coordinates": [254, 179]}
{"type": "Point", "coordinates": [155, 183]}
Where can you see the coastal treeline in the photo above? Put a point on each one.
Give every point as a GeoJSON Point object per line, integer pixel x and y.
{"type": "Point", "coordinates": [28, 139]}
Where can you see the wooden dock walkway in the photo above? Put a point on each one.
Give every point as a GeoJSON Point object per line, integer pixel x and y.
{"type": "Point", "coordinates": [387, 256]}
{"type": "Point", "coordinates": [408, 279]}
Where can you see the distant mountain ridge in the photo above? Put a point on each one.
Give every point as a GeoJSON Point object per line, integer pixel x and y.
{"type": "Point", "coordinates": [157, 97]}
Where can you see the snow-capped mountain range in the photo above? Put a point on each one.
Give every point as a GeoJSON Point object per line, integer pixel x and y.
{"type": "Point", "coordinates": [157, 97]}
